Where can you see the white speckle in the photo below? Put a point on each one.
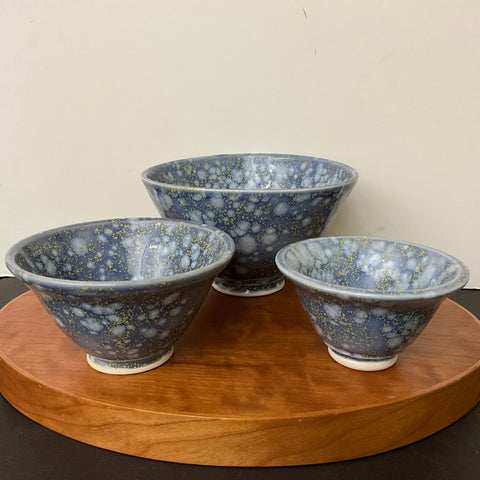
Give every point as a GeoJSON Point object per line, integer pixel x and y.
{"type": "Point", "coordinates": [165, 202]}
{"type": "Point", "coordinates": [101, 238]}
{"type": "Point", "coordinates": [187, 240]}
{"type": "Point", "coordinates": [165, 334]}
{"type": "Point", "coordinates": [301, 197]}
{"type": "Point", "coordinates": [154, 314]}
{"type": "Point", "coordinates": [270, 237]}
{"type": "Point", "coordinates": [92, 325]}
{"type": "Point", "coordinates": [185, 262]}
{"type": "Point", "coordinates": [333, 311]}
{"type": "Point", "coordinates": [281, 209]}
{"type": "Point", "coordinates": [108, 231]}
{"type": "Point", "coordinates": [170, 298]}
{"type": "Point", "coordinates": [306, 221]}
{"type": "Point", "coordinates": [118, 330]}
{"type": "Point", "coordinates": [59, 322]}
{"type": "Point", "coordinates": [49, 265]}
{"type": "Point", "coordinates": [78, 312]}
{"type": "Point", "coordinates": [379, 311]}
{"type": "Point", "coordinates": [196, 216]}
{"type": "Point", "coordinates": [242, 228]}
{"type": "Point", "coordinates": [79, 246]}
{"type": "Point", "coordinates": [90, 265]}
{"type": "Point", "coordinates": [395, 342]}
{"type": "Point", "coordinates": [176, 311]}
{"type": "Point", "coordinates": [148, 332]}
{"type": "Point", "coordinates": [247, 244]}
{"type": "Point", "coordinates": [359, 320]}
{"type": "Point", "coordinates": [217, 201]}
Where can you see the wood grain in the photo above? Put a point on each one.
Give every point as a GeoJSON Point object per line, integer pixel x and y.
{"type": "Point", "coordinates": [250, 384]}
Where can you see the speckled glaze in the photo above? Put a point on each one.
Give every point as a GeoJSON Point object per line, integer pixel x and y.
{"type": "Point", "coordinates": [263, 201]}
{"type": "Point", "coordinates": [124, 290]}
{"type": "Point", "coordinates": [369, 298]}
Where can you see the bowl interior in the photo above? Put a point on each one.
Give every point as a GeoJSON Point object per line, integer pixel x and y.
{"type": "Point", "coordinates": [121, 250]}
{"type": "Point", "coordinates": [252, 172]}
{"type": "Point", "coordinates": [373, 264]}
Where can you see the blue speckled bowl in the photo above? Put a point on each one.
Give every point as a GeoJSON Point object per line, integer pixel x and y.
{"type": "Point", "coordinates": [124, 290]}
{"type": "Point", "coordinates": [369, 298]}
{"type": "Point", "coordinates": [263, 201]}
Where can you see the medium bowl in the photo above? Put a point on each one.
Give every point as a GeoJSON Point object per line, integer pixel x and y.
{"type": "Point", "coordinates": [124, 290]}
{"type": "Point", "coordinates": [263, 201]}
{"type": "Point", "coordinates": [369, 298]}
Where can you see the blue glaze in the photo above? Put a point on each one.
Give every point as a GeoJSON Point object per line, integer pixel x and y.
{"type": "Point", "coordinates": [369, 298]}
{"type": "Point", "coordinates": [124, 290]}
{"type": "Point", "coordinates": [263, 201]}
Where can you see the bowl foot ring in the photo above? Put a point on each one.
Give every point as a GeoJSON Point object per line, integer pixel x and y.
{"type": "Point", "coordinates": [243, 290]}
{"type": "Point", "coordinates": [128, 367]}
{"type": "Point", "coordinates": [362, 365]}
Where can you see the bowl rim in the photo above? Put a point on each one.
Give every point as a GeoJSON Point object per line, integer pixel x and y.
{"type": "Point", "coordinates": [42, 281]}
{"type": "Point", "coordinates": [252, 191]}
{"type": "Point", "coordinates": [459, 280]}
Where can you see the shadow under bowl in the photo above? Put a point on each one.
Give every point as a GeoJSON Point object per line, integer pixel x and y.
{"type": "Point", "coordinates": [124, 290]}
{"type": "Point", "coordinates": [368, 298]}
{"type": "Point", "coordinates": [263, 201]}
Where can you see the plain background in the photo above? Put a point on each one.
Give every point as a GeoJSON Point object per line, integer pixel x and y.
{"type": "Point", "coordinates": [94, 92]}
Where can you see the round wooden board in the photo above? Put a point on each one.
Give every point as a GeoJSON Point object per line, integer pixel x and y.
{"type": "Point", "coordinates": [250, 384]}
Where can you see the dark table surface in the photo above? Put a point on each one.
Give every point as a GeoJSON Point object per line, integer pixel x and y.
{"type": "Point", "coordinates": [30, 451]}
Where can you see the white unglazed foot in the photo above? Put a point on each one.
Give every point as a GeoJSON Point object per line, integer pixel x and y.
{"type": "Point", "coordinates": [129, 367]}
{"type": "Point", "coordinates": [362, 365]}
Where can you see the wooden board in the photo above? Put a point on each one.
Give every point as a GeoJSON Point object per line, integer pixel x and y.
{"type": "Point", "coordinates": [250, 384]}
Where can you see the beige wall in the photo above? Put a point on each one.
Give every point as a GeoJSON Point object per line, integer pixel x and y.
{"type": "Point", "coordinates": [92, 93]}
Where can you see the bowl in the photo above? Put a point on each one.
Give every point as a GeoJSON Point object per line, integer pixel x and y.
{"type": "Point", "coordinates": [263, 201]}
{"type": "Point", "coordinates": [368, 298]}
{"type": "Point", "coordinates": [124, 290]}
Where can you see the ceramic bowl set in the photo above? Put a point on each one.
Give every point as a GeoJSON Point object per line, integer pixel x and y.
{"type": "Point", "coordinates": [125, 290]}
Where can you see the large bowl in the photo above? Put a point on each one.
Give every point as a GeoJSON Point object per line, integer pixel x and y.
{"type": "Point", "coordinates": [124, 290]}
{"type": "Point", "coordinates": [263, 201]}
{"type": "Point", "coordinates": [369, 298]}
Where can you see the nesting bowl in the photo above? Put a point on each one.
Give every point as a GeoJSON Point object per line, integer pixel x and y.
{"type": "Point", "coordinates": [263, 201]}
{"type": "Point", "coordinates": [124, 290]}
{"type": "Point", "coordinates": [369, 298]}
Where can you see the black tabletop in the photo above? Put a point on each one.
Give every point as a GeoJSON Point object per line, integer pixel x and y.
{"type": "Point", "coordinates": [30, 451]}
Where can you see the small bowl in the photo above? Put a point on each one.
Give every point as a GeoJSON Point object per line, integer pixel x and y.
{"type": "Point", "coordinates": [369, 298]}
{"type": "Point", "coordinates": [263, 201]}
{"type": "Point", "coordinates": [124, 290]}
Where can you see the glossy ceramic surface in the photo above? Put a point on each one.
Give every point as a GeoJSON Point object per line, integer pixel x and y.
{"type": "Point", "coordinates": [263, 201]}
{"type": "Point", "coordinates": [124, 290]}
{"type": "Point", "coordinates": [369, 298]}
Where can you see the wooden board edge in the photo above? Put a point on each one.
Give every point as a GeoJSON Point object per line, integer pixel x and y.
{"type": "Point", "coordinates": [237, 442]}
